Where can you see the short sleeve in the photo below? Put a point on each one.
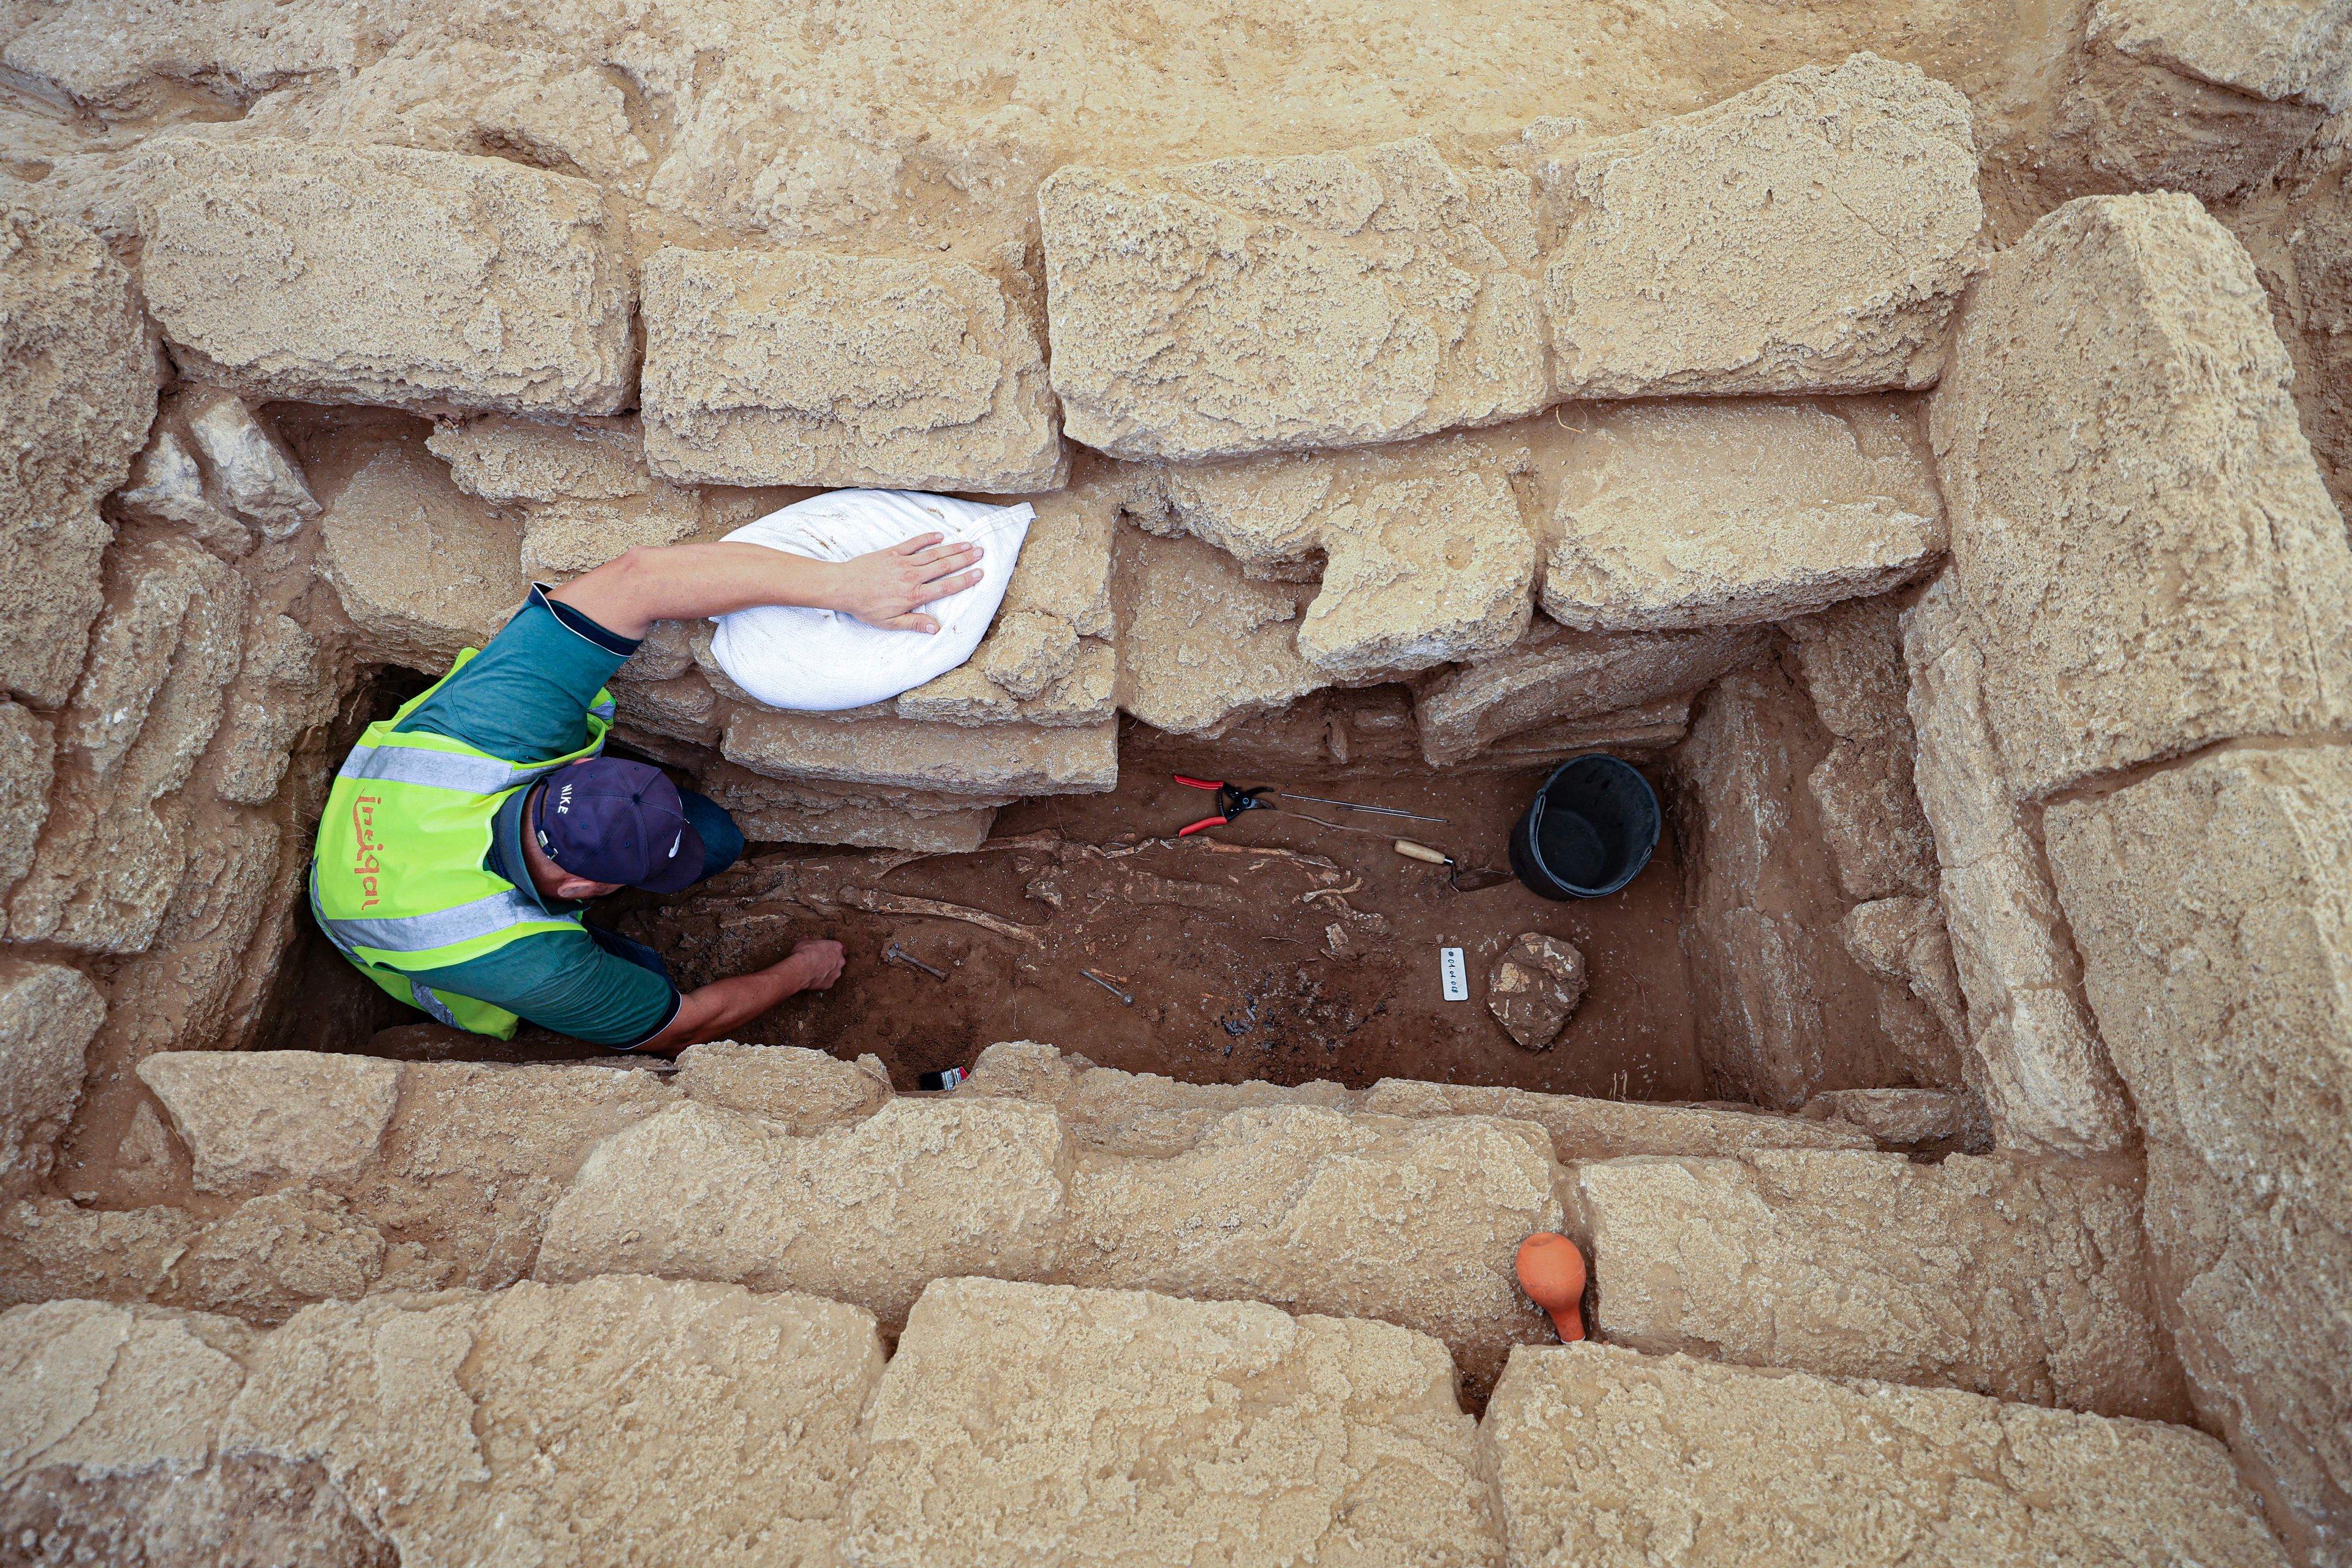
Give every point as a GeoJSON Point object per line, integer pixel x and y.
{"type": "Point", "coordinates": [563, 981]}
{"type": "Point", "coordinates": [525, 697]}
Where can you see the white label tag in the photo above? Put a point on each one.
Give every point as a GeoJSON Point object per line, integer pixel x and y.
{"type": "Point", "coordinates": [1455, 974]}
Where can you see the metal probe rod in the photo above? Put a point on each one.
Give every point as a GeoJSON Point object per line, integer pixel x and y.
{"type": "Point", "coordinates": [1352, 806]}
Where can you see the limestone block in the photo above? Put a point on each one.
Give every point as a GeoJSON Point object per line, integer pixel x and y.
{"type": "Point", "coordinates": [1706, 1466]}
{"type": "Point", "coordinates": [1676, 516]}
{"type": "Point", "coordinates": [1903, 1115]}
{"type": "Point", "coordinates": [1869, 809]}
{"type": "Point", "coordinates": [866, 1214]}
{"type": "Point", "coordinates": [2140, 536]}
{"type": "Point", "coordinates": [47, 1014]}
{"type": "Point", "coordinates": [77, 398]}
{"type": "Point", "coordinates": [780, 811]}
{"type": "Point", "coordinates": [255, 471]}
{"type": "Point", "coordinates": [802, 368]}
{"type": "Point", "coordinates": [27, 765]}
{"type": "Point", "coordinates": [2047, 1083]}
{"type": "Point", "coordinates": [502, 459]}
{"type": "Point", "coordinates": [287, 685]}
{"type": "Point", "coordinates": [264, 263]}
{"type": "Point", "coordinates": [1902, 945]}
{"type": "Point", "coordinates": [111, 854]}
{"type": "Point", "coordinates": [902, 753]}
{"type": "Point", "coordinates": [1200, 647]}
{"type": "Point", "coordinates": [1064, 570]}
{"type": "Point", "coordinates": [255, 1119]}
{"type": "Point", "coordinates": [477, 1155]}
{"type": "Point", "coordinates": [1554, 675]}
{"type": "Point", "coordinates": [128, 58]}
{"type": "Point", "coordinates": [1427, 557]}
{"type": "Point", "coordinates": [1259, 304]}
{"type": "Point", "coordinates": [1313, 1210]}
{"type": "Point", "coordinates": [2136, 124]}
{"type": "Point", "coordinates": [53, 1247]}
{"type": "Point", "coordinates": [544, 1424]}
{"type": "Point", "coordinates": [2211, 905]}
{"type": "Point", "coordinates": [1119, 1426]}
{"type": "Point", "coordinates": [799, 1089]}
{"type": "Point", "coordinates": [2014, 1279]}
{"type": "Point", "coordinates": [2279, 49]}
{"type": "Point", "coordinates": [1583, 1128]}
{"type": "Point", "coordinates": [564, 538]}
{"type": "Point", "coordinates": [421, 569]}
{"type": "Point", "coordinates": [1851, 660]}
{"type": "Point", "coordinates": [1649, 727]}
{"type": "Point", "coordinates": [276, 1254]}
{"type": "Point", "coordinates": [1135, 1113]}
{"type": "Point", "coordinates": [168, 486]}
{"type": "Point", "coordinates": [1534, 988]}
{"type": "Point", "coordinates": [1811, 235]}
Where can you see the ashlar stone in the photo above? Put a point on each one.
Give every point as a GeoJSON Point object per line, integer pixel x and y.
{"type": "Point", "coordinates": [2212, 905]}
{"type": "Point", "coordinates": [1263, 304]}
{"type": "Point", "coordinates": [2141, 538]}
{"type": "Point", "coordinates": [49, 1012]}
{"type": "Point", "coordinates": [502, 459]}
{"type": "Point", "coordinates": [1201, 645]}
{"type": "Point", "coordinates": [1135, 1114]}
{"type": "Point", "coordinates": [129, 58]}
{"type": "Point", "coordinates": [421, 569]}
{"type": "Point", "coordinates": [1553, 676]}
{"type": "Point", "coordinates": [1587, 1129]}
{"type": "Point", "coordinates": [2007, 1278]}
{"type": "Point", "coordinates": [1708, 1466]}
{"type": "Point", "coordinates": [904, 754]}
{"type": "Point", "coordinates": [28, 751]}
{"type": "Point", "coordinates": [2289, 50]}
{"type": "Point", "coordinates": [264, 261]}
{"type": "Point", "coordinates": [869, 1213]}
{"type": "Point", "coordinates": [1121, 1426]}
{"type": "Point", "coordinates": [1412, 1222]}
{"type": "Point", "coordinates": [1677, 516]}
{"type": "Point", "coordinates": [2034, 1053]}
{"type": "Point", "coordinates": [1813, 234]}
{"type": "Point", "coordinates": [253, 1119]}
{"type": "Point", "coordinates": [802, 368]}
{"type": "Point", "coordinates": [785, 811]}
{"type": "Point", "coordinates": [77, 398]}
{"type": "Point", "coordinates": [799, 1089]}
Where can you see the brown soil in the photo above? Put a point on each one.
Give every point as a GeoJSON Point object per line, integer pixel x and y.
{"type": "Point", "coordinates": [1231, 963]}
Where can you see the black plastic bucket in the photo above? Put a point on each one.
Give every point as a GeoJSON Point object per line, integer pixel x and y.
{"type": "Point", "coordinates": [1590, 830]}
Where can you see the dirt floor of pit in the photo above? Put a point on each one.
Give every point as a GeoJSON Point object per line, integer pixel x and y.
{"type": "Point", "coordinates": [1242, 965]}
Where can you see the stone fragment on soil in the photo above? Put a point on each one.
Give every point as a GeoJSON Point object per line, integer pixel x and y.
{"type": "Point", "coordinates": [255, 1119]}
{"type": "Point", "coordinates": [1315, 1210]}
{"type": "Point", "coordinates": [799, 1089]}
{"type": "Point", "coordinates": [2298, 53]}
{"type": "Point", "coordinates": [903, 754]}
{"type": "Point", "coordinates": [255, 471]}
{"type": "Point", "coordinates": [264, 261]}
{"type": "Point", "coordinates": [1554, 676]}
{"type": "Point", "coordinates": [1258, 304]}
{"type": "Point", "coordinates": [77, 399]}
{"type": "Point", "coordinates": [802, 368]}
{"type": "Point", "coordinates": [558, 1424]}
{"type": "Point", "coordinates": [1125, 1425]}
{"type": "Point", "coordinates": [422, 568]}
{"type": "Point", "coordinates": [2141, 540]}
{"type": "Point", "coordinates": [2001, 1277]}
{"type": "Point", "coordinates": [1677, 516]}
{"type": "Point", "coordinates": [168, 486]}
{"type": "Point", "coordinates": [2034, 1055]}
{"type": "Point", "coordinates": [1534, 988]}
{"type": "Point", "coordinates": [47, 1013]}
{"type": "Point", "coordinates": [1811, 235]}
{"type": "Point", "coordinates": [1705, 1465]}
{"type": "Point", "coordinates": [867, 1213]}
{"type": "Point", "coordinates": [2210, 903]}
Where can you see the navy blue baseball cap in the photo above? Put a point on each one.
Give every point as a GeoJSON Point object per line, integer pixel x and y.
{"type": "Point", "coordinates": [614, 821]}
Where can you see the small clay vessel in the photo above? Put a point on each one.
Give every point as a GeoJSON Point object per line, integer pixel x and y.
{"type": "Point", "coordinates": [1551, 1271]}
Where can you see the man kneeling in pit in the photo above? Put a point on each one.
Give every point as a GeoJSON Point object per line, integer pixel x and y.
{"type": "Point", "coordinates": [465, 833]}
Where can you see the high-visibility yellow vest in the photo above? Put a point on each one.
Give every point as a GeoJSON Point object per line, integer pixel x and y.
{"type": "Point", "coordinates": [397, 881]}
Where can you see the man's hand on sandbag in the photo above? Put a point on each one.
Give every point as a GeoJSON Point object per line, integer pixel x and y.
{"type": "Point", "coordinates": [888, 587]}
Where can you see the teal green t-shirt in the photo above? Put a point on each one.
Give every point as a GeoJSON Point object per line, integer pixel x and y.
{"type": "Point", "coordinates": [525, 697]}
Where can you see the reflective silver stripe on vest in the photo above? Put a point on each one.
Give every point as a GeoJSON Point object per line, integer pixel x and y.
{"type": "Point", "coordinates": [319, 915]}
{"type": "Point", "coordinates": [433, 1004]}
{"type": "Point", "coordinates": [442, 928]}
{"type": "Point", "coordinates": [603, 709]}
{"type": "Point", "coordinates": [458, 771]}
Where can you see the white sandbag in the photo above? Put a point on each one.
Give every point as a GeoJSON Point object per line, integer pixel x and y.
{"type": "Point", "coordinates": [820, 661]}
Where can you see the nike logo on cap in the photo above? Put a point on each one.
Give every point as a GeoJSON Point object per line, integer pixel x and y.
{"type": "Point", "coordinates": [676, 842]}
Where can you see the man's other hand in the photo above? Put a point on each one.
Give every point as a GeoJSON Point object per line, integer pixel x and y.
{"type": "Point", "coordinates": [819, 960]}
{"type": "Point", "coordinates": [888, 587]}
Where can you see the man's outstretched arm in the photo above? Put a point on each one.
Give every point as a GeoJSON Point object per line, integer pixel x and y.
{"type": "Point", "coordinates": [688, 582]}
{"type": "Point", "coordinates": [715, 1011]}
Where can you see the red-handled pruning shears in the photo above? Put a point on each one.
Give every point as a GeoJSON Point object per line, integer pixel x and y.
{"type": "Point", "coordinates": [1231, 802]}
